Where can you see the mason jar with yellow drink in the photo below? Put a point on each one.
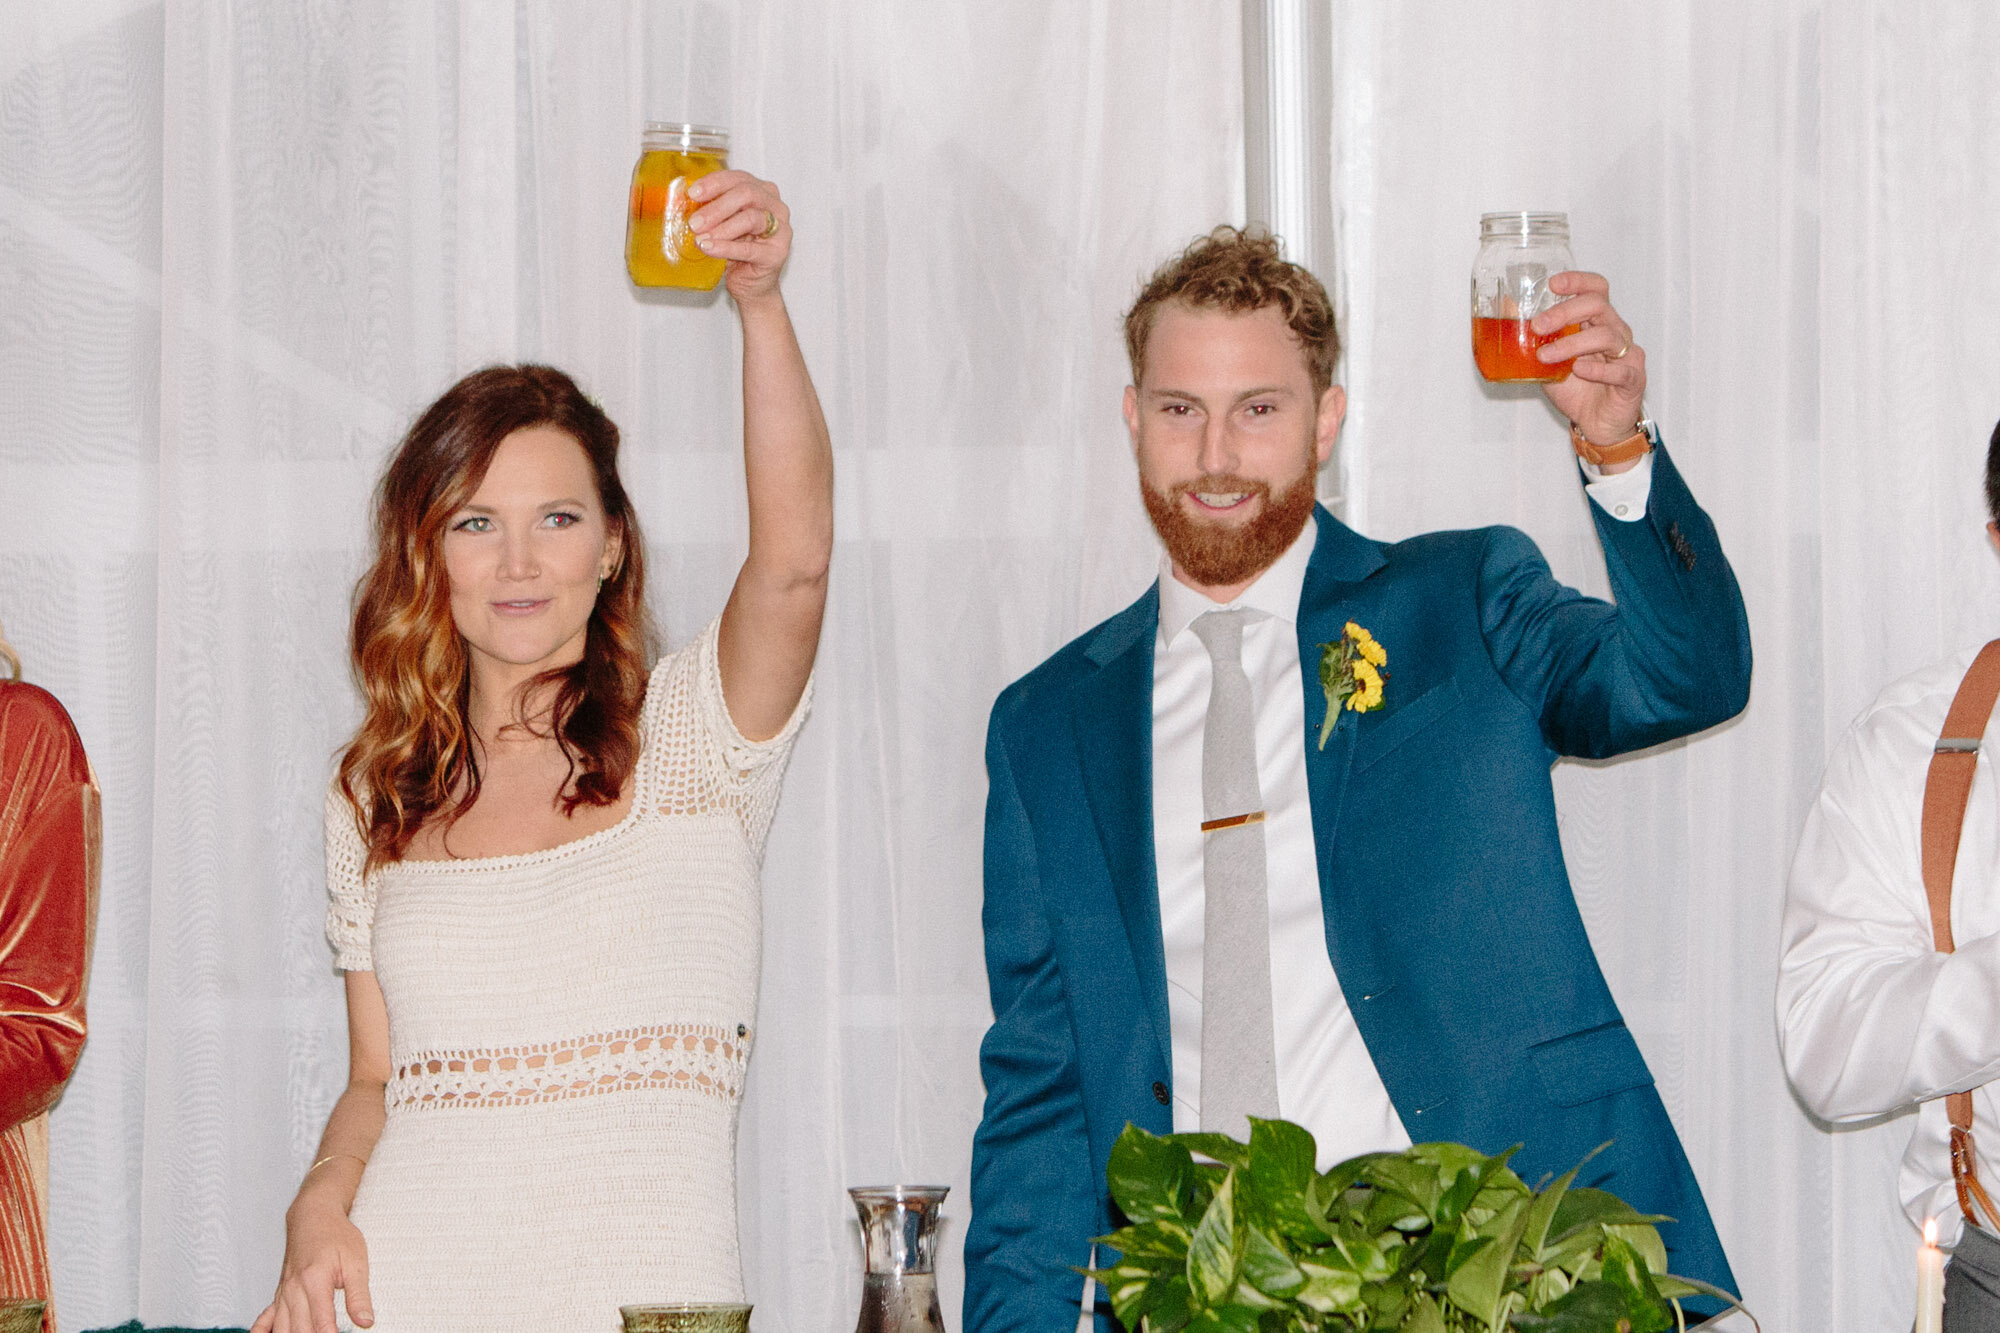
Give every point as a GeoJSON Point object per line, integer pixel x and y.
{"type": "Point", "coordinates": [660, 250]}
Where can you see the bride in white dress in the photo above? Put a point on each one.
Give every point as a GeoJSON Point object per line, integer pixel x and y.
{"type": "Point", "coordinates": [542, 856]}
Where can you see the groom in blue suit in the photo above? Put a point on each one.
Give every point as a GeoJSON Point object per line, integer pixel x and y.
{"type": "Point", "coordinates": [1416, 967]}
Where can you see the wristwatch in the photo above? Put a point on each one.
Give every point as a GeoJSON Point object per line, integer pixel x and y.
{"type": "Point", "coordinates": [1635, 445]}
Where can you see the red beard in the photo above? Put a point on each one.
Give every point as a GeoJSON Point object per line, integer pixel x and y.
{"type": "Point", "coordinates": [1218, 556]}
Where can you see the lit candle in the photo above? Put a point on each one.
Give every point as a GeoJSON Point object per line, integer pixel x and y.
{"type": "Point", "coordinates": [1930, 1282]}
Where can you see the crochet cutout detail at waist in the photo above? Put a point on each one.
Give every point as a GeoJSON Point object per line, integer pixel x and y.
{"type": "Point", "coordinates": [692, 1057]}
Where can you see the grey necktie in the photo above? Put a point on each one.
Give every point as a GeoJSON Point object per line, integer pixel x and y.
{"type": "Point", "coordinates": [1239, 1067]}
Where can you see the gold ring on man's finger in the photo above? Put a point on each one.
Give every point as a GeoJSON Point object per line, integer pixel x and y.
{"type": "Point", "coordinates": [771, 227]}
{"type": "Point", "coordinates": [1619, 355]}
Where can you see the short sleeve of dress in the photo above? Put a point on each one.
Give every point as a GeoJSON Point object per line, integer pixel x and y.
{"type": "Point", "coordinates": [350, 900]}
{"type": "Point", "coordinates": [704, 763]}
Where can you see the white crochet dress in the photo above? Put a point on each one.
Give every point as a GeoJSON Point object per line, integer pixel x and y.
{"type": "Point", "coordinates": [568, 1032]}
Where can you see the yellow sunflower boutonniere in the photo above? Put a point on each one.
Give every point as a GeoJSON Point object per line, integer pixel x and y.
{"type": "Point", "coordinates": [1350, 671]}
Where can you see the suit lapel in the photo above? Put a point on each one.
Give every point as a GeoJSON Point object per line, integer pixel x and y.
{"type": "Point", "coordinates": [1341, 558]}
{"type": "Point", "coordinates": [1111, 713]}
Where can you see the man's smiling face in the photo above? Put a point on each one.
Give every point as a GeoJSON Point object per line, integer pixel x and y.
{"type": "Point", "coordinates": [1229, 436]}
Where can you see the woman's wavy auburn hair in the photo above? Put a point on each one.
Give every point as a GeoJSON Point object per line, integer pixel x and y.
{"type": "Point", "coordinates": [1239, 271]}
{"type": "Point", "coordinates": [413, 755]}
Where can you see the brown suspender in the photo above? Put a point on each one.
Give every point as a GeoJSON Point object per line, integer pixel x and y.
{"type": "Point", "coordinates": [1947, 788]}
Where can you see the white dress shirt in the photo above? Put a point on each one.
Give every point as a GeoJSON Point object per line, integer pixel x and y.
{"type": "Point", "coordinates": [1871, 1018]}
{"type": "Point", "coordinates": [1326, 1078]}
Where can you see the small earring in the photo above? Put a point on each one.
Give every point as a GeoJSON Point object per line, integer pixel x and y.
{"type": "Point", "coordinates": [600, 583]}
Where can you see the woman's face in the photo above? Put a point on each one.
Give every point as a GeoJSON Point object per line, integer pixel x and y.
{"type": "Point", "coordinates": [524, 556]}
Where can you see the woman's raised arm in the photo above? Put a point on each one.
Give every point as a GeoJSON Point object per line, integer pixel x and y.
{"type": "Point", "coordinates": [770, 629]}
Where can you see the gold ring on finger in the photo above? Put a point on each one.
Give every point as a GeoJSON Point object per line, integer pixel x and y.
{"type": "Point", "coordinates": [770, 226]}
{"type": "Point", "coordinates": [1624, 348]}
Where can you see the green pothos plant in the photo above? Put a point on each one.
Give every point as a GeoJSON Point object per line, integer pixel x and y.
{"type": "Point", "coordinates": [1435, 1239]}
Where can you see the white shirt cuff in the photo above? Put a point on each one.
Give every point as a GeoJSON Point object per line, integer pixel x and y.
{"type": "Point", "coordinates": [1623, 496]}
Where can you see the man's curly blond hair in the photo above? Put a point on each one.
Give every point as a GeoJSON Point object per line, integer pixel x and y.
{"type": "Point", "coordinates": [1239, 271]}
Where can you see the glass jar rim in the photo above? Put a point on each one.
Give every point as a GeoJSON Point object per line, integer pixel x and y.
{"type": "Point", "coordinates": [915, 1193]}
{"type": "Point", "coordinates": [674, 134]}
{"type": "Point", "coordinates": [1523, 224]}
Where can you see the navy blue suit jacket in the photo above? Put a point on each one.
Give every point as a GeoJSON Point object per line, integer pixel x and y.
{"type": "Point", "coordinates": [1449, 916]}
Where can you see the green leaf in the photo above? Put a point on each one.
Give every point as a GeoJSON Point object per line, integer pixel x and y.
{"type": "Point", "coordinates": [1575, 1254]}
{"type": "Point", "coordinates": [1678, 1288]}
{"type": "Point", "coordinates": [1165, 1307]}
{"type": "Point", "coordinates": [1590, 1307]}
{"type": "Point", "coordinates": [1333, 658]}
{"type": "Point", "coordinates": [1267, 1267]}
{"type": "Point", "coordinates": [1498, 1185]}
{"type": "Point", "coordinates": [1377, 1259]}
{"type": "Point", "coordinates": [1644, 1238]}
{"type": "Point", "coordinates": [1207, 1176]}
{"type": "Point", "coordinates": [1329, 1290]}
{"type": "Point", "coordinates": [1431, 1255]}
{"type": "Point", "coordinates": [1211, 1264]}
{"type": "Point", "coordinates": [1410, 1178]}
{"type": "Point", "coordinates": [1343, 1174]}
{"type": "Point", "coordinates": [1149, 1176]}
{"type": "Point", "coordinates": [1391, 1209]}
{"type": "Point", "coordinates": [1452, 1158]}
{"type": "Point", "coordinates": [1457, 1198]}
{"type": "Point", "coordinates": [1478, 1284]}
{"type": "Point", "coordinates": [1424, 1317]}
{"type": "Point", "coordinates": [1387, 1304]}
{"type": "Point", "coordinates": [1626, 1270]}
{"type": "Point", "coordinates": [1542, 1212]}
{"type": "Point", "coordinates": [1150, 1240]}
{"type": "Point", "coordinates": [1547, 1287]}
{"type": "Point", "coordinates": [1279, 1180]}
{"type": "Point", "coordinates": [1131, 1289]}
{"type": "Point", "coordinates": [1581, 1207]}
{"type": "Point", "coordinates": [1226, 1319]}
{"type": "Point", "coordinates": [1218, 1147]}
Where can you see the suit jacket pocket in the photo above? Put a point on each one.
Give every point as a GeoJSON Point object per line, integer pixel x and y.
{"type": "Point", "coordinates": [1380, 737]}
{"type": "Point", "coordinates": [1587, 1065]}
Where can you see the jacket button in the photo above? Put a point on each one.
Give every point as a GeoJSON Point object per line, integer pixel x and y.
{"type": "Point", "coordinates": [1161, 1095]}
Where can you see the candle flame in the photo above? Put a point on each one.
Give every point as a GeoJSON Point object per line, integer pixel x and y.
{"type": "Point", "coordinates": [1930, 1232]}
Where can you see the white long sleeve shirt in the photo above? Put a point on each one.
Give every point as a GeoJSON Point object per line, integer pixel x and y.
{"type": "Point", "coordinates": [1871, 1019]}
{"type": "Point", "coordinates": [1327, 1080]}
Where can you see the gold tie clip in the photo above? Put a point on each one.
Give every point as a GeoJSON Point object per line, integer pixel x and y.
{"type": "Point", "coordinates": [1232, 821]}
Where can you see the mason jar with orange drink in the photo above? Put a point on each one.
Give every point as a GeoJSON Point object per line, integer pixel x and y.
{"type": "Point", "coordinates": [660, 249]}
{"type": "Point", "coordinates": [1518, 254]}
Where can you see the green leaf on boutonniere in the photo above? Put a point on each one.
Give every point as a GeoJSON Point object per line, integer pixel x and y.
{"type": "Point", "coordinates": [1350, 672]}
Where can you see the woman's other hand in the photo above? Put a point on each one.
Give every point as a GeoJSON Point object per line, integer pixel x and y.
{"type": "Point", "coordinates": [323, 1252]}
{"type": "Point", "coordinates": [743, 220]}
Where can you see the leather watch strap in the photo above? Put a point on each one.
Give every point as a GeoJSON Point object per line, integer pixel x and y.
{"type": "Point", "coordinates": [1635, 445]}
{"type": "Point", "coordinates": [1947, 789]}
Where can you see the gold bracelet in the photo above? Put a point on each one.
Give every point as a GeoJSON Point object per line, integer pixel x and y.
{"type": "Point", "coordinates": [330, 1156]}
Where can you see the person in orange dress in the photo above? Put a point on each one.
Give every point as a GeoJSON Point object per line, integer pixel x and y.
{"type": "Point", "coordinates": [49, 842]}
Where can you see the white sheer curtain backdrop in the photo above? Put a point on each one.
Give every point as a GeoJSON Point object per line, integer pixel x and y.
{"type": "Point", "coordinates": [1798, 206]}
{"type": "Point", "coordinates": [242, 244]}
